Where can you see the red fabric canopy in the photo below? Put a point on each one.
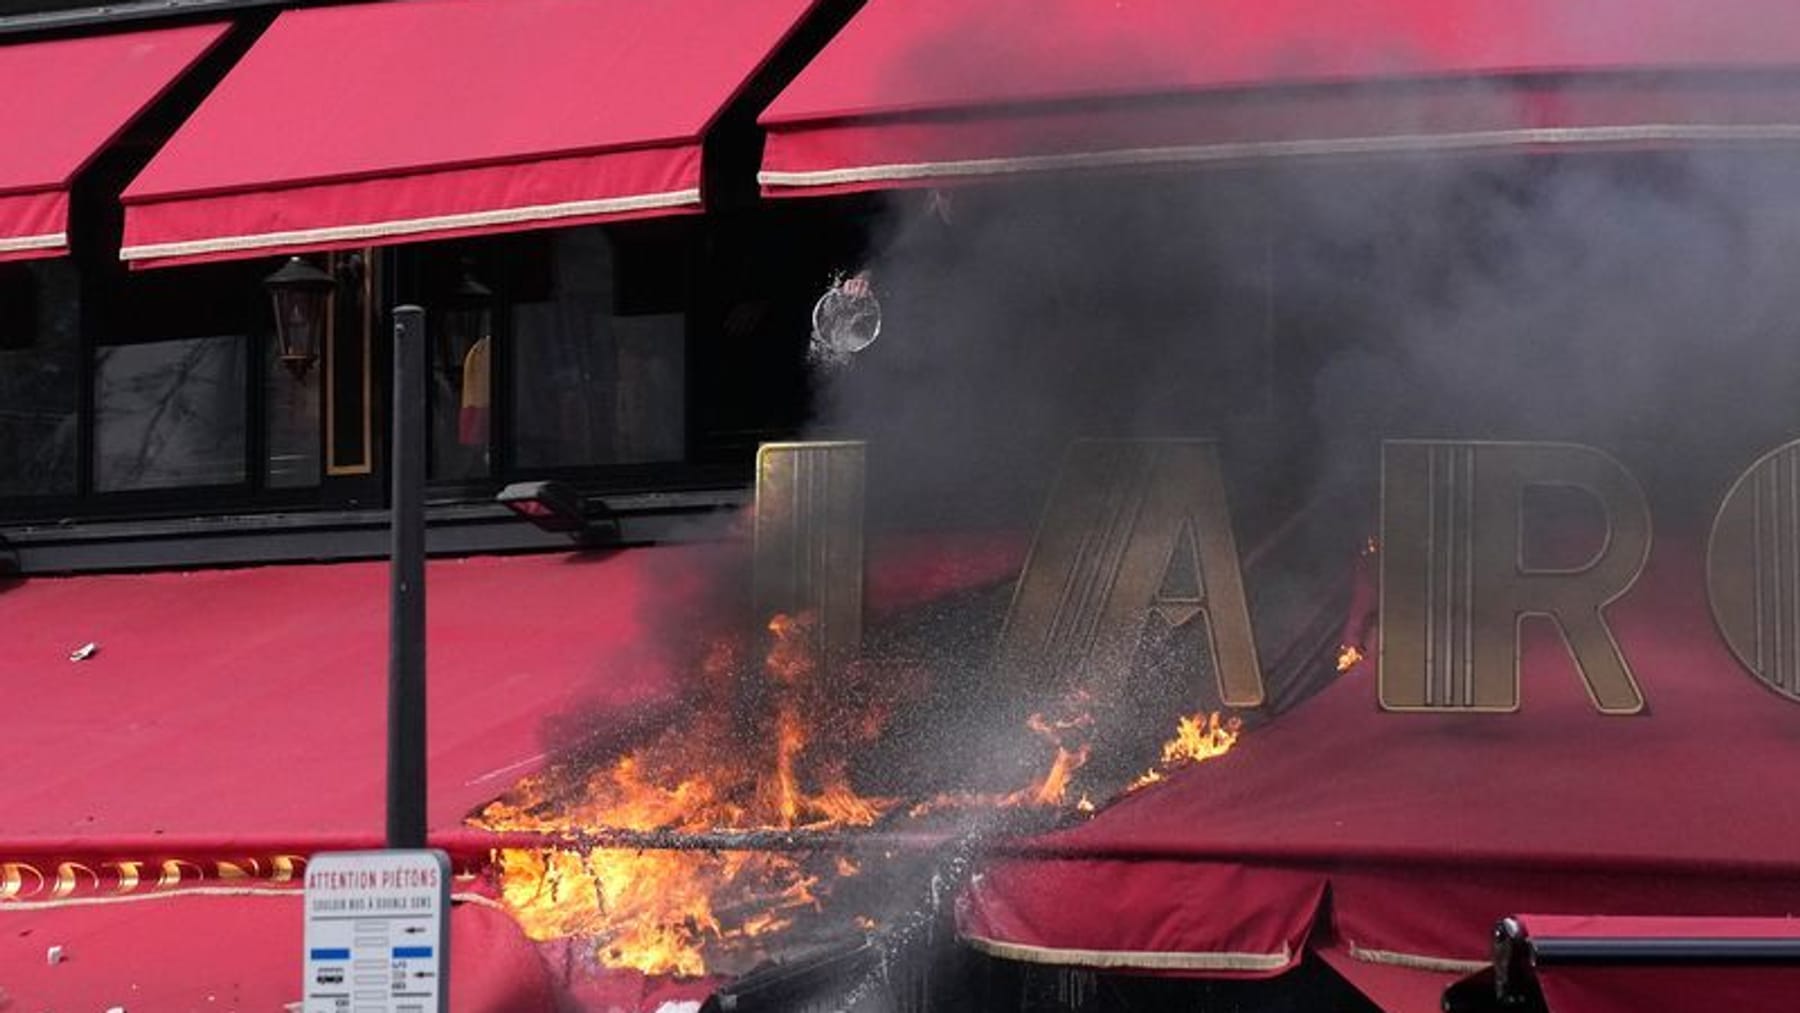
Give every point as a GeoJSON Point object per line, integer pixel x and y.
{"type": "Point", "coordinates": [383, 123]}
{"type": "Point", "coordinates": [232, 953]}
{"type": "Point", "coordinates": [918, 92]}
{"type": "Point", "coordinates": [231, 723]}
{"type": "Point", "coordinates": [69, 98]}
{"type": "Point", "coordinates": [251, 703]}
{"type": "Point", "coordinates": [1402, 838]}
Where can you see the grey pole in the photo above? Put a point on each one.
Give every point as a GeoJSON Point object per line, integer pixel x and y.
{"type": "Point", "coordinates": [406, 631]}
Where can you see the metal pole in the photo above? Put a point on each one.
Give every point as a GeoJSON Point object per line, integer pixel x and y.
{"type": "Point", "coordinates": [406, 631]}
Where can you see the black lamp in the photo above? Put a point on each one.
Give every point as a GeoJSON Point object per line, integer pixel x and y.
{"type": "Point", "coordinates": [302, 295]}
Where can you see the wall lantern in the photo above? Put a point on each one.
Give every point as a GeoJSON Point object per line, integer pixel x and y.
{"type": "Point", "coordinates": [468, 317]}
{"type": "Point", "coordinates": [302, 295]}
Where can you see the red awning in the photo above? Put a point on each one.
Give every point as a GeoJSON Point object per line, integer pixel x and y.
{"type": "Point", "coordinates": [69, 98]}
{"type": "Point", "coordinates": [920, 92]}
{"type": "Point", "coordinates": [230, 723]}
{"type": "Point", "coordinates": [1398, 840]}
{"type": "Point", "coordinates": [251, 702]}
{"type": "Point", "coordinates": [385, 123]}
{"type": "Point", "coordinates": [217, 951]}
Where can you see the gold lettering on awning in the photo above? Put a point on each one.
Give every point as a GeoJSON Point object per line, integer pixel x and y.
{"type": "Point", "coordinates": [1753, 569]}
{"type": "Point", "coordinates": [808, 531]}
{"type": "Point", "coordinates": [1133, 528]}
{"type": "Point", "coordinates": [1455, 584]}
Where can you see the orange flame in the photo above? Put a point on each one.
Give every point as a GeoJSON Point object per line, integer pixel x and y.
{"type": "Point", "coordinates": [665, 912]}
{"type": "Point", "coordinates": [1198, 738]}
{"type": "Point", "coordinates": [1348, 656]}
{"type": "Point", "coordinates": [681, 913]}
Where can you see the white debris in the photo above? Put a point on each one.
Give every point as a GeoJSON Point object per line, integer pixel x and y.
{"type": "Point", "coordinates": [115, 1009]}
{"type": "Point", "coordinates": [84, 652]}
{"type": "Point", "coordinates": [683, 1006]}
{"type": "Point", "coordinates": [53, 956]}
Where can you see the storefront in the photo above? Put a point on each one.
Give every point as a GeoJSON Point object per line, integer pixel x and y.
{"type": "Point", "coordinates": [1297, 487]}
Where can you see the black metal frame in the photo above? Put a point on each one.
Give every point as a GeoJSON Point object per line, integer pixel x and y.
{"type": "Point", "coordinates": [46, 17]}
{"type": "Point", "coordinates": [1511, 983]}
{"type": "Point", "coordinates": [406, 629]}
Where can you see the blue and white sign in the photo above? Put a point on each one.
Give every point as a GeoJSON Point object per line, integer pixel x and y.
{"type": "Point", "coordinates": [377, 932]}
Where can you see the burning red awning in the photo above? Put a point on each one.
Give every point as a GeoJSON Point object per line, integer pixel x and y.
{"type": "Point", "coordinates": [82, 93]}
{"type": "Point", "coordinates": [227, 724]}
{"type": "Point", "coordinates": [923, 92]}
{"type": "Point", "coordinates": [383, 123]}
{"type": "Point", "coordinates": [1398, 840]}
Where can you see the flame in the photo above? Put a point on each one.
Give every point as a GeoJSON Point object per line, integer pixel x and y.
{"type": "Point", "coordinates": [1348, 656]}
{"type": "Point", "coordinates": [666, 912]}
{"type": "Point", "coordinates": [1067, 731]}
{"type": "Point", "coordinates": [689, 912]}
{"type": "Point", "coordinates": [1198, 738]}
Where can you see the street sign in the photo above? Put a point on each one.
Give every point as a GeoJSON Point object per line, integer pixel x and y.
{"type": "Point", "coordinates": [376, 932]}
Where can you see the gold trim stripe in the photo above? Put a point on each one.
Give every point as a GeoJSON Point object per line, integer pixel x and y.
{"type": "Point", "coordinates": [1314, 148]}
{"type": "Point", "coordinates": [46, 241]}
{"type": "Point", "coordinates": [413, 226]}
{"type": "Point", "coordinates": [1416, 962]}
{"type": "Point", "coordinates": [1141, 959]}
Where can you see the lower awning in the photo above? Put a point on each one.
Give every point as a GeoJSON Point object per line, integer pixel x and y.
{"type": "Point", "coordinates": [1396, 841]}
{"type": "Point", "coordinates": [252, 702]}
{"type": "Point", "coordinates": [183, 742]}
{"type": "Point", "coordinates": [143, 956]}
{"type": "Point", "coordinates": [930, 92]}
{"type": "Point", "coordinates": [448, 118]}
{"type": "Point", "coordinates": [82, 94]}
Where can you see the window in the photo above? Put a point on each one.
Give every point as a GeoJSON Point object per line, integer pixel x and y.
{"type": "Point", "coordinates": [187, 387]}
{"type": "Point", "coordinates": [548, 354]}
{"type": "Point", "coordinates": [593, 385]}
{"type": "Point", "coordinates": [155, 381]}
{"type": "Point", "coordinates": [169, 413]}
{"type": "Point", "coordinates": [40, 379]}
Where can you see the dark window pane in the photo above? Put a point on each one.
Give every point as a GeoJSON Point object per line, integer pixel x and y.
{"type": "Point", "coordinates": [591, 387]}
{"type": "Point", "coordinates": [293, 419]}
{"type": "Point", "coordinates": [40, 379]}
{"type": "Point", "coordinates": [169, 413]}
{"type": "Point", "coordinates": [461, 404]}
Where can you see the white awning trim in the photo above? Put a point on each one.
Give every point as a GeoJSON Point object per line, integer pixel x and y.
{"type": "Point", "coordinates": [1241, 151]}
{"type": "Point", "coordinates": [413, 226]}
{"type": "Point", "coordinates": [46, 241]}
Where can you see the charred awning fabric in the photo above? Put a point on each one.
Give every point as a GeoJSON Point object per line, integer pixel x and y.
{"type": "Point", "coordinates": [1419, 831]}
{"type": "Point", "coordinates": [380, 123]}
{"type": "Point", "coordinates": [65, 100]}
{"type": "Point", "coordinates": [923, 92]}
